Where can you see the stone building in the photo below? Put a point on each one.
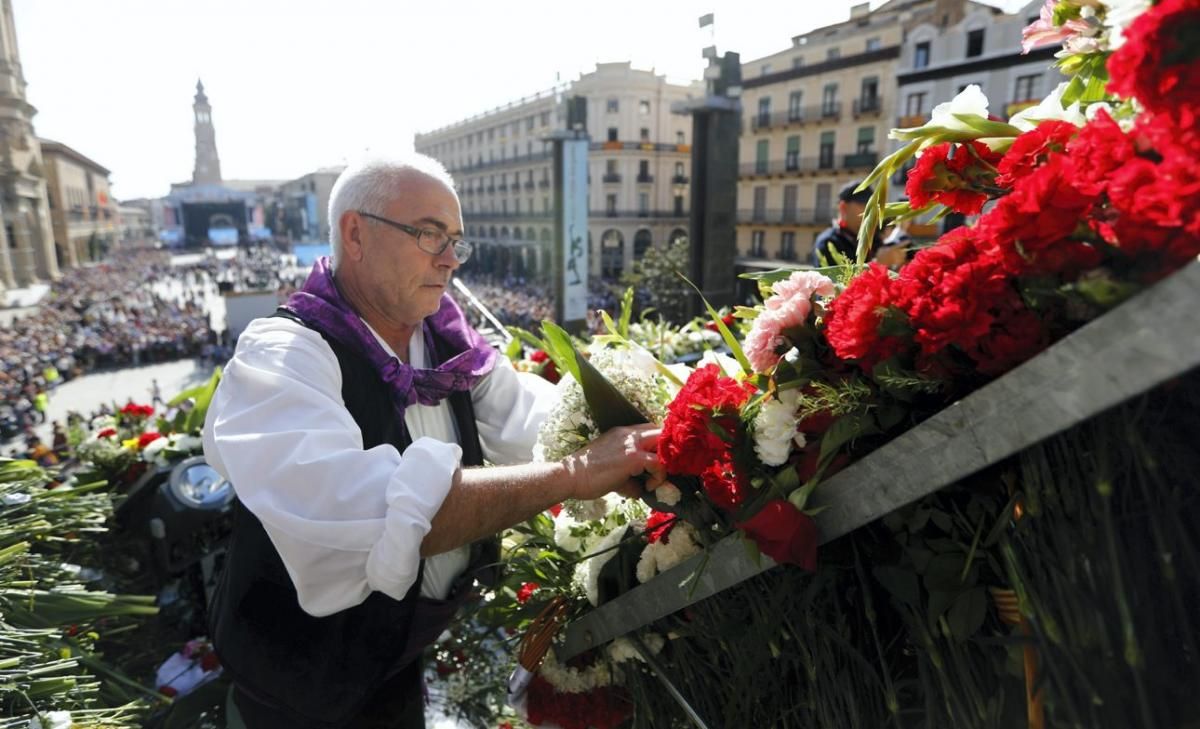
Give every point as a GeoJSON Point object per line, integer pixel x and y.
{"type": "Point", "coordinates": [83, 214]}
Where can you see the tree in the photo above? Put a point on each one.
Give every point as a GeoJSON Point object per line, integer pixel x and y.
{"type": "Point", "coordinates": [656, 279]}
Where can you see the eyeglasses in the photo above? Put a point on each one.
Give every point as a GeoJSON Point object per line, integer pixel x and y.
{"type": "Point", "coordinates": [435, 241]}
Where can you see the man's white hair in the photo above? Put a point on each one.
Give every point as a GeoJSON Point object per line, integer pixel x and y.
{"type": "Point", "coordinates": [370, 185]}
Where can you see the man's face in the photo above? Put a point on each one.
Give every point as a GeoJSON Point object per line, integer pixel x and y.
{"type": "Point", "coordinates": [403, 278]}
{"type": "Point", "coordinates": [850, 214]}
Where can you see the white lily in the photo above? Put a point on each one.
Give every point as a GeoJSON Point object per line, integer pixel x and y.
{"type": "Point", "coordinates": [1050, 108]}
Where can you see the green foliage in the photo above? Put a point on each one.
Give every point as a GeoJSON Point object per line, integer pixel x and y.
{"type": "Point", "coordinates": [657, 275]}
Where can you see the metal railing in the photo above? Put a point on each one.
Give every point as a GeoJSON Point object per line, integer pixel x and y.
{"type": "Point", "coordinates": [782, 216]}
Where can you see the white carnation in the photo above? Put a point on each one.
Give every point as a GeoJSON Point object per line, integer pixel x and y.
{"type": "Point", "coordinates": [1050, 108]}
{"type": "Point", "coordinates": [587, 572]}
{"type": "Point", "coordinates": [681, 543]}
{"type": "Point", "coordinates": [775, 428]}
{"type": "Point", "coordinates": [568, 680]}
{"type": "Point", "coordinates": [668, 493]}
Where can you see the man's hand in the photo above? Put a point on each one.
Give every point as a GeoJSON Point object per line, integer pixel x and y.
{"type": "Point", "coordinates": [613, 462]}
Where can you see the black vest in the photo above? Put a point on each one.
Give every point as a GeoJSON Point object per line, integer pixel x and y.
{"type": "Point", "coordinates": [322, 671]}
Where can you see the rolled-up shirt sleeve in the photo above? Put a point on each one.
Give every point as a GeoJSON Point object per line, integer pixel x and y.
{"type": "Point", "coordinates": [346, 521]}
{"type": "Point", "coordinates": [510, 407]}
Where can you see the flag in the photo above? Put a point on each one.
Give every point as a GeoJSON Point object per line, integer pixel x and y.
{"type": "Point", "coordinates": [706, 20]}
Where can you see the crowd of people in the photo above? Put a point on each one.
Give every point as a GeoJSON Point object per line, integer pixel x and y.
{"type": "Point", "coordinates": [515, 301]}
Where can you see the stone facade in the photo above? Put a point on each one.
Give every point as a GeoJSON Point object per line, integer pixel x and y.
{"type": "Point", "coordinates": [83, 214]}
{"type": "Point", "coordinates": [27, 253]}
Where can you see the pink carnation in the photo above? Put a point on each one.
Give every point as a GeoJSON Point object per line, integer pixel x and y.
{"type": "Point", "coordinates": [788, 308]}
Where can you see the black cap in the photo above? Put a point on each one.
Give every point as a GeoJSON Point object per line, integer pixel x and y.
{"type": "Point", "coordinates": [847, 193]}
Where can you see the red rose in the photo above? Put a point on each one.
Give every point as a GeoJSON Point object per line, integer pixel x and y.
{"type": "Point", "coordinates": [687, 445]}
{"type": "Point", "coordinates": [784, 533]}
{"type": "Point", "coordinates": [725, 484]}
{"type": "Point", "coordinates": [855, 316]}
{"type": "Point", "coordinates": [1032, 148]}
{"type": "Point", "coordinates": [658, 526]}
{"type": "Point", "coordinates": [1159, 64]}
{"type": "Point", "coordinates": [147, 438]}
{"type": "Point", "coordinates": [953, 175]}
{"type": "Point", "coordinates": [526, 592]}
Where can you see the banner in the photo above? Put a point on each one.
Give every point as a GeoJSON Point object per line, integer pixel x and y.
{"type": "Point", "coordinates": [575, 229]}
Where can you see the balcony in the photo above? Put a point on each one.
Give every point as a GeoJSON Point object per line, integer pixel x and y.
{"type": "Point", "coordinates": [909, 121]}
{"type": "Point", "coordinates": [791, 166]}
{"type": "Point", "coordinates": [867, 105]}
{"type": "Point", "coordinates": [502, 187]}
{"type": "Point", "coordinates": [612, 177]}
{"type": "Point", "coordinates": [529, 185]}
{"type": "Point", "coordinates": [544, 184]}
{"type": "Point", "coordinates": [781, 216]}
{"type": "Point", "coordinates": [796, 116]}
{"type": "Point", "coordinates": [679, 180]}
{"type": "Point", "coordinates": [507, 215]}
{"type": "Point", "coordinates": [861, 160]}
{"type": "Point", "coordinates": [645, 178]}
{"type": "Point", "coordinates": [640, 146]}
{"type": "Point", "coordinates": [621, 213]}
{"type": "Point", "coordinates": [519, 159]}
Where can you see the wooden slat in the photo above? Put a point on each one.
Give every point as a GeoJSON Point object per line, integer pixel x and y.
{"type": "Point", "coordinates": [1148, 340]}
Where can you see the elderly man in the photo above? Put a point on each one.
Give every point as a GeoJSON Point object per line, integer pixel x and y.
{"type": "Point", "coordinates": [353, 425]}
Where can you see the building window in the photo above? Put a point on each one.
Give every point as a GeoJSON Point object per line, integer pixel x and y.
{"type": "Point", "coordinates": [833, 53]}
{"type": "Point", "coordinates": [766, 69]}
{"type": "Point", "coordinates": [792, 161]}
{"type": "Point", "coordinates": [679, 206]}
{"type": "Point", "coordinates": [869, 94]}
{"type": "Point", "coordinates": [644, 107]}
{"type": "Point", "coordinates": [613, 106]}
{"type": "Point", "coordinates": [545, 118]}
{"type": "Point", "coordinates": [825, 161]}
{"type": "Point", "coordinates": [866, 140]}
{"type": "Point", "coordinates": [760, 204]}
{"type": "Point", "coordinates": [829, 106]}
{"type": "Point", "coordinates": [873, 44]}
{"type": "Point", "coordinates": [798, 62]}
{"type": "Point", "coordinates": [610, 167]}
{"type": "Point", "coordinates": [787, 246]}
{"type": "Point", "coordinates": [761, 150]}
{"type": "Point", "coordinates": [529, 124]}
{"type": "Point", "coordinates": [612, 134]}
{"type": "Point", "coordinates": [610, 205]}
{"type": "Point", "coordinates": [789, 203]}
{"type": "Point", "coordinates": [644, 170]}
{"type": "Point", "coordinates": [915, 104]}
{"type": "Point", "coordinates": [757, 247]}
{"type": "Point", "coordinates": [680, 138]}
{"type": "Point", "coordinates": [975, 43]}
{"type": "Point", "coordinates": [822, 211]}
{"type": "Point", "coordinates": [643, 204]}
{"type": "Point", "coordinates": [764, 111]}
{"type": "Point", "coordinates": [679, 169]}
{"type": "Point", "coordinates": [921, 55]}
{"type": "Point", "coordinates": [795, 99]}
{"type": "Point", "coordinates": [1027, 87]}
{"type": "Point", "coordinates": [644, 134]}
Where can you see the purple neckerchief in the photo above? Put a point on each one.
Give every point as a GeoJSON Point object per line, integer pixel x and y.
{"type": "Point", "coordinates": [321, 306]}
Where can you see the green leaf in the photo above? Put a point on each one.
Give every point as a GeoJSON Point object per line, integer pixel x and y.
{"type": "Point", "coordinates": [1074, 90]}
{"type": "Point", "coordinates": [195, 417]}
{"type": "Point", "coordinates": [730, 340]}
{"type": "Point", "coordinates": [967, 613]}
{"type": "Point", "coordinates": [626, 312]}
{"type": "Point", "coordinates": [609, 324]}
{"type": "Point", "coordinates": [987, 127]}
{"type": "Point", "coordinates": [558, 346]}
{"type": "Point", "coordinates": [513, 350]}
{"type": "Point", "coordinates": [901, 583]}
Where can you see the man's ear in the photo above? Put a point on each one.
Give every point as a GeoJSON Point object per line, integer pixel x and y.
{"type": "Point", "coordinates": [351, 227]}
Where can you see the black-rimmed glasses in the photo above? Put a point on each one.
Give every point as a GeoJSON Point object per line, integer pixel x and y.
{"type": "Point", "coordinates": [435, 241]}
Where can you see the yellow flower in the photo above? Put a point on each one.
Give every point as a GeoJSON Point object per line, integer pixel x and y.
{"type": "Point", "coordinates": [130, 445]}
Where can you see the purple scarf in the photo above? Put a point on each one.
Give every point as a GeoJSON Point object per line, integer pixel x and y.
{"type": "Point", "coordinates": [321, 306]}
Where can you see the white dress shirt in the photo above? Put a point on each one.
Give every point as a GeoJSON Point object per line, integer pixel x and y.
{"type": "Point", "coordinates": [348, 521]}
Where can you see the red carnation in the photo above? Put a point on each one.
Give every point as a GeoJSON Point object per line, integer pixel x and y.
{"type": "Point", "coordinates": [1043, 211]}
{"type": "Point", "coordinates": [107, 433]}
{"type": "Point", "coordinates": [526, 592]}
{"type": "Point", "coordinates": [1100, 147]}
{"type": "Point", "coordinates": [855, 316]}
{"type": "Point", "coordinates": [606, 707]}
{"type": "Point", "coordinates": [1159, 64]}
{"type": "Point", "coordinates": [687, 445]}
{"type": "Point", "coordinates": [555, 510]}
{"type": "Point", "coordinates": [659, 525]}
{"type": "Point", "coordinates": [725, 484]}
{"type": "Point", "coordinates": [538, 356]}
{"type": "Point", "coordinates": [953, 175]}
{"type": "Point", "coordinates": [147, 438]}
{"type": "Point", "coordinates": [784, 533]}
{"type": "Point", "coordinates": [1032, 148]}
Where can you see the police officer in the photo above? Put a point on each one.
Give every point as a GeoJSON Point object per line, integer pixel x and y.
{"type": "Point", "coordinates": [843, 234]}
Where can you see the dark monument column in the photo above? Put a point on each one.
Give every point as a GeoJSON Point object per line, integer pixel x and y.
{"type": "Point", "coordinates": [716, 124]}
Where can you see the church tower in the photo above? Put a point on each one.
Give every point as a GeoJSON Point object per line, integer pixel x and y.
{"type": "Point", "coordinates": [208, 165]}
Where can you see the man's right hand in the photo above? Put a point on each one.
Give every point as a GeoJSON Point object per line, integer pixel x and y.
{"type": "Point", "coordinates": [613, 462]}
